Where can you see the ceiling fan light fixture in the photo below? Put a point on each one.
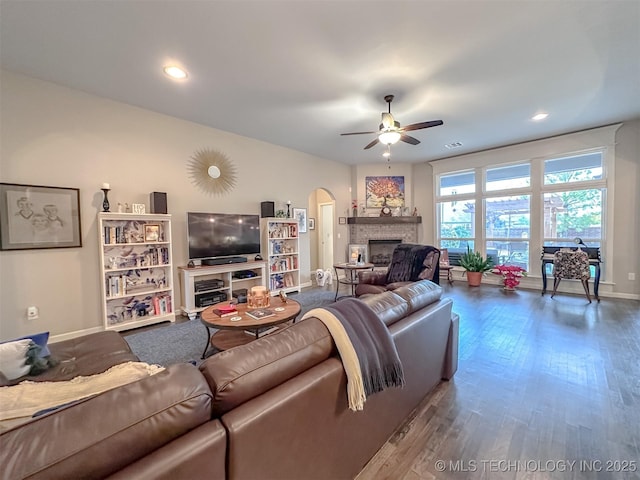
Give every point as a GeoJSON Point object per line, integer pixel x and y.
{"type": "Point", "coordinates": [175, 72]}
{"type": "Point", "coordinates": [389, 138]}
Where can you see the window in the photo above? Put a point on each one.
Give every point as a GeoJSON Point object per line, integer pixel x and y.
{"type": "Point", "coordinates": [513, 176]}
{"type": "Point", "coordinates": [507, 230]}
{"type": "Point", "coordinates": [569, 189]}
{"type": "Point", "coordinates": [457, 227]}
{"type": "Point", "coordinates": [457, 183]}
{"type": "Point", "coordinates": [578, 168]}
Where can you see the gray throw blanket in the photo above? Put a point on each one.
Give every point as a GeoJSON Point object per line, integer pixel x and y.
{"type": "Point", "coordinates": [368, 353]}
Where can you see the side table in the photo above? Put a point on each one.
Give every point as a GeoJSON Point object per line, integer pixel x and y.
{"type": "Point", "coordinates": [350, 275]}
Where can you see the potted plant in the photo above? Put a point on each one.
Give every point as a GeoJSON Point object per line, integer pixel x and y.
{"type": "Point", "coordinates": [475, 266]}
{"type": "Point", "coordinates": [511, 275]}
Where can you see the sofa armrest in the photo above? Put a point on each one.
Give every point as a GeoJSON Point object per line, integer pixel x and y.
{"type": "Point", "coordinates": [106, 432]}
{"type": "Point", "coordinates": [373, 277]}
{"type": "Point", "coordinates": [451, 358]}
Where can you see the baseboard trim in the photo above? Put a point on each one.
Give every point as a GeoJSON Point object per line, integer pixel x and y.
{"type": "Point", "coordinates": [76, 334]}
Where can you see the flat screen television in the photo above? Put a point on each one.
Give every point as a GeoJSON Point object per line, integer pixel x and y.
{"type": "Point", "coordinates": [222, 235]}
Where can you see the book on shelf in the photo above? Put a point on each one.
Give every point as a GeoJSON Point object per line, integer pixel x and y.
{"type": "Point", "coordinates": [261, 332]}
{"type": "Point", "coordinates": [260, 313]}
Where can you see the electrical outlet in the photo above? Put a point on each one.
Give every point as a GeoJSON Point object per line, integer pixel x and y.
{"type": "Point", "coordinates": [32, 313]}
{"type": "Point", "coordinates": [632, 276]}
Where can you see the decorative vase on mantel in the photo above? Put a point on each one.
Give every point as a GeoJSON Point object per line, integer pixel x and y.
{"type": "Point", "coordinates": [355, 211]}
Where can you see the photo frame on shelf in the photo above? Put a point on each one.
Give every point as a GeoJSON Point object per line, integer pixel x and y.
{"type": "Point", "coordinates": [300, 214]}
{"type": "Point", "coordinates": [312, 224]}
{"type": "Point", "coordinates": [357, 254]}
{"type": "Point", "coordinates": [138, 208]}
{"type": "Point", "coordinates": [152, 232]}
{"type": "Point", "coordinates": [37, 217]}
{"type": "Point", "coordinates": [342, 220]}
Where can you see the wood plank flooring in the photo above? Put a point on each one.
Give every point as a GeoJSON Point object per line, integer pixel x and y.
{"type": "Point", "coordinates": [541, 383]}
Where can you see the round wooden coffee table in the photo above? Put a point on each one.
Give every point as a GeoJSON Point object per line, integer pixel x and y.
{"type": "Point", "coordinates": [232, 330]}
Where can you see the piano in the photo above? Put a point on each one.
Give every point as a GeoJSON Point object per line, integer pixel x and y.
{"type": "Point", "coordinates": [594, 259]}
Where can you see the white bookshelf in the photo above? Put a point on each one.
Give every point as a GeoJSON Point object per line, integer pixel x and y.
{"type": "Point", "coordinates": [136, 269]}
{"type": "Point", "coordinates": [281, 245]}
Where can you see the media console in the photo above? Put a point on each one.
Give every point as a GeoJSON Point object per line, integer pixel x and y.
{"type": "Point", "coordinates": [209, 284]}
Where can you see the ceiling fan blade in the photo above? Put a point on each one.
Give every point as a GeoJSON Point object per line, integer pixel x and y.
{"type": "Point", "coordinates": [408, 139]}
{"type": "Point", "coordinates": [357, 133]}
{"type": "Point", "coordinates": [375, 142]}
{"type": "Point", "coordinates": [418, 126]}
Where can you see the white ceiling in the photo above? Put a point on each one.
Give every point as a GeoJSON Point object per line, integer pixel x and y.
{"type": "Point", "coordinates": [299, 73]}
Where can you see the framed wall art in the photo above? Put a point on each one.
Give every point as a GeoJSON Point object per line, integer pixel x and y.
{"type": "Point", "coordinates": [342, 220]}
{"type": "Point", "coordinates": [312, 224]}
{"type": "Point", "coordinates": [385, 191]}
{"type": "Point", "coordinates": [34, 217]}
{"type": "Point", "coordinates": [300, 214]}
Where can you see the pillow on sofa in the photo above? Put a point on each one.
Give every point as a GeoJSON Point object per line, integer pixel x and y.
{"type": "Point", "coordinates": [13, 358]}
{"type": "Point", "coordinates": [32, 357]}
{"type": "Point", "coordinates": [39, 339]}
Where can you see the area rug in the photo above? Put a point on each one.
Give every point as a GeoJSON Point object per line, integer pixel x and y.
{"type": "Point", "coordinates": [171, 343]}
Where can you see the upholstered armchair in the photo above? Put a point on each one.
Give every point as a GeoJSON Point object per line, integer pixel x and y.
{"type": "Point", "coordinates": [409, 263]}
{"type": "Point", "coordinates": [573, 265]}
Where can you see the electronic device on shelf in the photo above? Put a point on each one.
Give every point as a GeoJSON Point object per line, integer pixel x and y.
{"type": "Point", "coordinates": [210, 284]}
{"type": "Point", "coordinates": [219, 238]}
{"type": "Point", "coordinates": [240, 294]}
{"type": "Point", "coordinates": [206, 299]}
{"type": "Point", "coordinates": [245, 274]}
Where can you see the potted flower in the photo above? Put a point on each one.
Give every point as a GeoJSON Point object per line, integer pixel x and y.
{"type": "Point", "coordinates": [475, 266]}
{"type": "Point", "coordinates": [354, 207]}
{"type": "Point", "coordinates": [511, 275]}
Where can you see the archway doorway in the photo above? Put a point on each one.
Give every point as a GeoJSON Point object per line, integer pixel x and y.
{"type": "Point", "coordinates": [322, 208]}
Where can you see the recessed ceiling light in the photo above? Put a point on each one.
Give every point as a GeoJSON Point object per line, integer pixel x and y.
{"type": "Point", "coordinates": [539, 116]}
{"type": "Point", "coordinates": [453, 145]}
{"type": "Point", "coordinates": [175, 72]}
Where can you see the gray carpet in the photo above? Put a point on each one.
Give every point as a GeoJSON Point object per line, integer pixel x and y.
{"type": "Point", "coordinates": [171, 343]}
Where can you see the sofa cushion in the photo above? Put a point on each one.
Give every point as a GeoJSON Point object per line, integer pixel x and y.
{"type": "Point", "coordinates": [419, 294]}
{"type": "Point", "coordinates": [388, 306]}
{"type": "Point", "coordinates": [247, 371]}
{"type": "Point", "coordinates": [102, 434]}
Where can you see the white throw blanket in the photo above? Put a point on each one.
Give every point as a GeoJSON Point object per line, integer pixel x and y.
{"type": "Point", "coordinates": [27, 398]}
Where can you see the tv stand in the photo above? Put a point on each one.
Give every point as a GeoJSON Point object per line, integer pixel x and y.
{"type": "Point", "coordinates": [223, 261]}
{"type": "Point", "coordinates": [204, 285]}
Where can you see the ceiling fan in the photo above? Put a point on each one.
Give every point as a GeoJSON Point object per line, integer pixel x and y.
{"type": "Point", "coordinates": [391, 132]}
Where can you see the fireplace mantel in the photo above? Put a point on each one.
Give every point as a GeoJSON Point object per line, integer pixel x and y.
{"type": "Point", "coordinates": [382, 220]}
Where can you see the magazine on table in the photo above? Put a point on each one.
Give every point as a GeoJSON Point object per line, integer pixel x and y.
{"type": "Point", "coordinates": [260, 313]}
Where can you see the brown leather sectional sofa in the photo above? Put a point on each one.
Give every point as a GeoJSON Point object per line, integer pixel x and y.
{"type": "Point", "coordinates": [275, 408]}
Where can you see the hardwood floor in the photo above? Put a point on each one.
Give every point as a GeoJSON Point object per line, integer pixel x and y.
{"type": "Point", "coordinates": [541, 383]}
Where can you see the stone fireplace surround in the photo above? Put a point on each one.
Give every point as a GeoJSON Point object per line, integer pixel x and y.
{"type": "Point", "coordinates": [363, 229]}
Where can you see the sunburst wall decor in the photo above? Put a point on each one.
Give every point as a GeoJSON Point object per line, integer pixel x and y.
{"type": "Point", "coordinates": [212, 172]}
